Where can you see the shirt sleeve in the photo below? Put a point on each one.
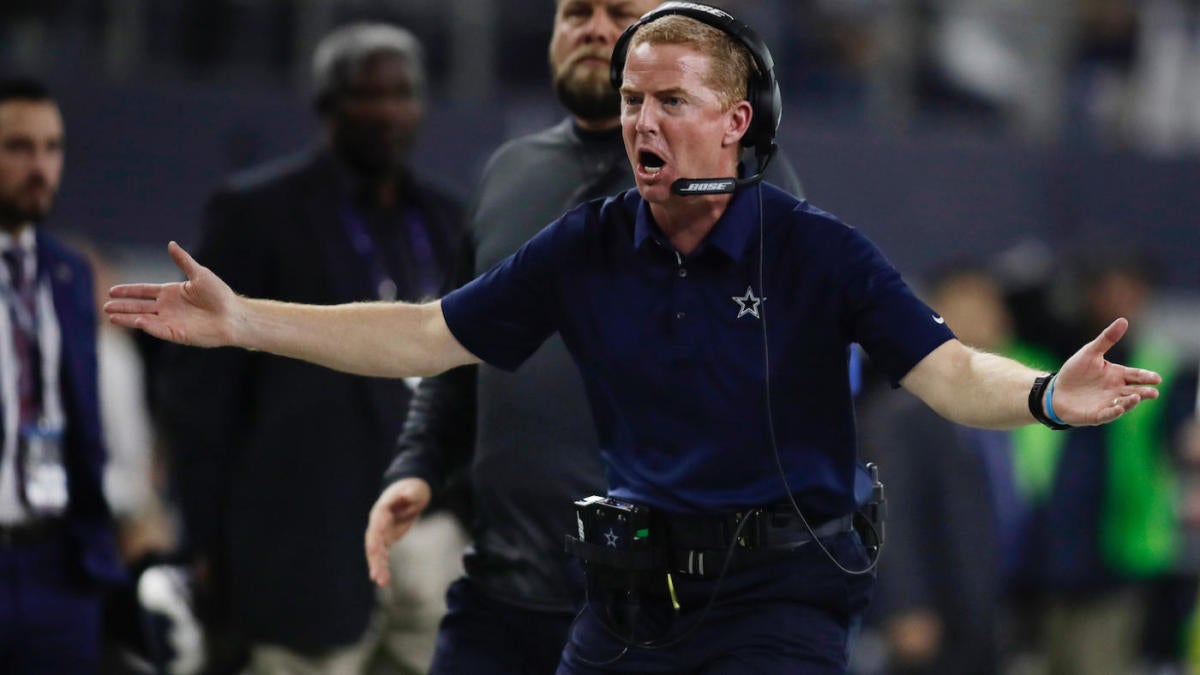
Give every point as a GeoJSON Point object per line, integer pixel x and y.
{"type": "Point", "coordinates": [504, 315]}
{"type": "Point", "coordinates": [891, 323]}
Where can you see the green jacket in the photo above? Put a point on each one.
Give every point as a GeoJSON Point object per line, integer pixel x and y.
{"type": "Point", "coordinates": [1138, 534]}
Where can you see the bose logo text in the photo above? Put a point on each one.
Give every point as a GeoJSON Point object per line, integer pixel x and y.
{"type": "Point", "coordinates": [708, 187]}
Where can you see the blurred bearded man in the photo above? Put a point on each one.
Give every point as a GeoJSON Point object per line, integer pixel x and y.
{"type": "Point", "coordinates": [528, 436]}
{"type": "Point", "coordinates": [580, 69]}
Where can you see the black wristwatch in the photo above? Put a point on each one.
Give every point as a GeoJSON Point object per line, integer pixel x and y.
{"type": "Point", "coordinates": [1036, 394]}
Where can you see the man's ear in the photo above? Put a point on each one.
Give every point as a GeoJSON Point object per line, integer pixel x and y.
{"type": "Point", "coordinates": [739, 118]}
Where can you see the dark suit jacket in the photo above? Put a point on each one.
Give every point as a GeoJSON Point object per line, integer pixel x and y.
{"type": "Point", "coordinates": [942, 551]}
{"type": "Point", "coordinates": [89, 521]}
{"type": "Point", "coordinates": [278, 461]}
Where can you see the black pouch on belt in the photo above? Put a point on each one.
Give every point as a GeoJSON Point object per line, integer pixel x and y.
{"type": "Point", "coordinates": [617, 544]}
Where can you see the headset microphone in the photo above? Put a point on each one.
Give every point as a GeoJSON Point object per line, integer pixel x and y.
{"type": "Point", "coordinates": [689, 187]}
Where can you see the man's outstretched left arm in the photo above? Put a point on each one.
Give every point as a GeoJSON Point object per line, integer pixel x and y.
{"type": "Point", "coordinates": [985, 390]}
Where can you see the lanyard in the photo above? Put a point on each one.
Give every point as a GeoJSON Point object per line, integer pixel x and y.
{"type": "Point", "coordinates": [33, 479]}
{"type": "Point", "coordinates": [424, 277]}
{"type": "Point", "coordinates": [48, 342]}
{"type": "Point", "coordinates": [364, 246]}
{"type": "Point", "coordinates": [23, 309]}
{"type": "Point", "coordinates": [428, 280]}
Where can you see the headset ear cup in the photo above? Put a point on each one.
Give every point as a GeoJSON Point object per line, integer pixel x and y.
{"type": "Point", "coordinates": [616, 68]}
{"type": "Point", "coordinates": [763, 95]}
{"type": "Point", "coordinates": [773, 109]}
{"type": "Point", "coordinates": [750, 139]}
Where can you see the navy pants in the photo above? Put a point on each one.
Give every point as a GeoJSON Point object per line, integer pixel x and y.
{"type": "Point", "coordinates": [49, 620]}
{"type": "Point", "coordinates": [793, 615]}
{"type": "Point", "coordinates": [483, 636]}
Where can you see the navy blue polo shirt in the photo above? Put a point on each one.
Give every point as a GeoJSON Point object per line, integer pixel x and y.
{"type": "Point", "coordinates": [672, 350]}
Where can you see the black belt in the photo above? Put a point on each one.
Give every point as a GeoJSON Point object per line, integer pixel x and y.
{"type": "Point", "coordinates": [699, 546]}
{"type": "Point", "coordinates": [26, 534]}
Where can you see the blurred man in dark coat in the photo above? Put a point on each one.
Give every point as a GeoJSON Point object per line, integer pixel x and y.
{"type": "Point", "coordinates": [278, 462]}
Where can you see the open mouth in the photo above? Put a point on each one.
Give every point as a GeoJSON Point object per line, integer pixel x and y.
{"type": "Point", "coordinates": [651, 163]}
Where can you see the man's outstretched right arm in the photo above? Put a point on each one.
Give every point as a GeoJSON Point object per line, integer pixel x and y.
{"type": "Point", "coordinates": [376, 339]}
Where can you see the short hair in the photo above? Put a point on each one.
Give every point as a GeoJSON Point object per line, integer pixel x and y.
{"type": "Point", "coordinates": [731, 64]}
{"type": "Point", "coordinates": [24, 89]}
{"type": "Point", "coordinates": [341, 53]}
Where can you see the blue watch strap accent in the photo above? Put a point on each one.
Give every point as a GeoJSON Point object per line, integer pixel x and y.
{"type": "Point", "coordinates": [1040, 404]}
{"type": "Point", "coordinates": [1050, 401]}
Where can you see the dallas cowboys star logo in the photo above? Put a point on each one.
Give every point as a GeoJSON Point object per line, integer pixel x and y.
{"type": "Point", "coordinates": [611, 538]}
{"type": "Point", "coordinates": [748, 303]}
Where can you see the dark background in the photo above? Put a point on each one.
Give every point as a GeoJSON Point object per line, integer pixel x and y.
{"type": "Point", "coordinates": [163, 99]}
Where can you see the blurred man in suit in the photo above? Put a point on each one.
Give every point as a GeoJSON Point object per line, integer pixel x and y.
{"type": "Point", "coordinates": [56, 539]}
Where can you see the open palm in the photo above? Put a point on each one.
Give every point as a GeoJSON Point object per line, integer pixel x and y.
{"type": "Point", "coordinates": [200, 311]}
{"type": "Point", "coordinates": [1091, 390]}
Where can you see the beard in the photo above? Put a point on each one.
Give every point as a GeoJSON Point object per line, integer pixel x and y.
{"type": "Point", "coordinates": [586, 93]}
{"type": "Point", "coordinates": [14, 212]}
{"type": "Point", "coordinates": [372, 152]}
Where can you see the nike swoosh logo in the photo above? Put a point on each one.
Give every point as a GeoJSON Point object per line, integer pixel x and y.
{"type": "Point", "coordinates": [938, 319]}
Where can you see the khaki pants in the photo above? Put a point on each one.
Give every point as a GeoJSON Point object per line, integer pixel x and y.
{"type": "Point", "coordinates": [403, 631]}
{"type": "Point", "coordinates": [1096, 637]}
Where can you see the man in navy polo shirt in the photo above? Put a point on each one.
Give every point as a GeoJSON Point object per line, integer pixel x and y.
{"type": "Point", "coordinates": [711, 328]}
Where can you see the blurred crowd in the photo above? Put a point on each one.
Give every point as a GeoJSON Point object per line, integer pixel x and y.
{"type": "Point", "coordinates": [1037, 551]}
{"type": "Point", "coordinates": [1114, 73]}
{"type": "Point", "coordinates": [1008, 552]}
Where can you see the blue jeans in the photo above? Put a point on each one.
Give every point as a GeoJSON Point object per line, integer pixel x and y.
{"type": "Point", "coordinates": [483, 636]}
{"type": "Point", "coordinates": [792, 615]}
{"type": "Point", "coordinates": [49, 617]}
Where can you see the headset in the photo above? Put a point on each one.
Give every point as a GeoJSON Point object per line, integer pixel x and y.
{"type": "Point", "coordinates": [762, 89]}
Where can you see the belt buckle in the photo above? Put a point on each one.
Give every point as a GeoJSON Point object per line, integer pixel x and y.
{"type": "Point", "coordinates": [754, 532]}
